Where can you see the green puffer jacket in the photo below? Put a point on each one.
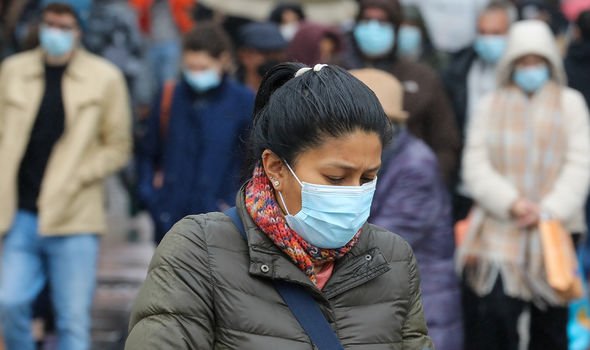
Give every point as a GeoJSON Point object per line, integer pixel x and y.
{"type": "Point", "coordinates": [209, 289]}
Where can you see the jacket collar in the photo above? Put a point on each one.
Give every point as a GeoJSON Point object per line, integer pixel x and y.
{"type": "Point", "coordinates": [76, 66]}
{"type": "Point", "coordinates": [363, 263]}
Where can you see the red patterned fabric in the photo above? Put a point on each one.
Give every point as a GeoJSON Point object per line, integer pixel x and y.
{"type": "Point", "coordinates": [268, 216]}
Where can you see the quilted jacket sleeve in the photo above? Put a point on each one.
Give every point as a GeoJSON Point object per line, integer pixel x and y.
{"type": "Point", "coordinates": [414, 331]}
{"type": "Point", "coordinates": [174, 307]}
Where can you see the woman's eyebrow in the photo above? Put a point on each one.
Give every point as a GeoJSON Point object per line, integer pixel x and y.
{"type": "Point", "coordinates": [346, 166]}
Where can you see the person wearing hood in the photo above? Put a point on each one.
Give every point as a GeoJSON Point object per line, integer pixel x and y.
{"type": "Point", "coordinates": [527, 156]}
{"type": "Point", "coordinates": [314, 43]}
{"type": "Point", "coordinates": [472, 75]}
{"type": "Point", "coordinates": [189, 158]}
{"type": "Point", "coordinates": [412, 200]}
{"type": "Point", "coordinates": [374, 43]}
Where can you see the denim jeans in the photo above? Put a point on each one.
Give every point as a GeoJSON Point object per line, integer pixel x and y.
{"type": "Point", "coordinates": [164, 59]}
{"type": "Point", "coordinates": [68, 263]}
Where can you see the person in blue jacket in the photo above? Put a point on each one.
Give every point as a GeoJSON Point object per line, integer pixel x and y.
{"type": "Point", "coordinates": [189, 158]}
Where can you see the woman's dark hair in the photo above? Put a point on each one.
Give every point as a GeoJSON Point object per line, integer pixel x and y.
{"type": "Point", "coordinates": [276, 15]}
{"type": "Point", "coordinates": [293, 114]}
{"type": "Point", "coordinates": [209, 37]}
{"type": "Point", "coordinates": [394, 12]}
{"type": "Point", "coordinates": [61, 8]}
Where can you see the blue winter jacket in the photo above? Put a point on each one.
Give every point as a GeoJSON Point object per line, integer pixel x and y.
{"type": "Point", "coordinates": [200, 155]}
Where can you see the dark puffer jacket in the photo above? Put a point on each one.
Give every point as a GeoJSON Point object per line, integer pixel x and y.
{"type": "Point", "coordinates": [209, 289]}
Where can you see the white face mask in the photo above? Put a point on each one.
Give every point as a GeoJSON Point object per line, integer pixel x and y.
{"type": "Point", "coordinates": [330, 216]}
{"type": "Point", "coordinates": [289, 30]}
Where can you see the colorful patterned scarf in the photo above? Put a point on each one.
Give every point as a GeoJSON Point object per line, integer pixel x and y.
{"type": "Point", "coordinates": [268, 216]}
{"type": "Point", "coordinates": [527, 146]}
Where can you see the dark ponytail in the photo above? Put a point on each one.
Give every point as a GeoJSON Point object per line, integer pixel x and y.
{"type": "Point", "coordinates": [293, 114]}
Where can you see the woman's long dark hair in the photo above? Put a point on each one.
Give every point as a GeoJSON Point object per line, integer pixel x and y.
{"type": "Point", "coordinates": [293, 114]}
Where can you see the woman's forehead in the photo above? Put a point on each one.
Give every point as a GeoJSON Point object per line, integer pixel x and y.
{"type": "Point", "coordinates": [355, 150]}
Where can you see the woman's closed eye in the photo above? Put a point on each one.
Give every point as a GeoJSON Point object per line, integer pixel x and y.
{"type": "Point", "coordinates": [367, 179]}
{"type": "Point", "coordinates": [334, 180]}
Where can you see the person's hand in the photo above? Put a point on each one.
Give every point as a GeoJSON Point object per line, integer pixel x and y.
{"type": "Point", "coordinates": [526, 213]}
{"type": "Point", "coordinates": [519, 208]}
{"type": "Point", "coordinates": [158, 180]}
{"type": "Point", "coordinates": [531, 218]}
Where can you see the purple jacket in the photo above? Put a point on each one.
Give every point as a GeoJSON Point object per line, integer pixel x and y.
{"type": "Point", "coordinates": [412, 201]}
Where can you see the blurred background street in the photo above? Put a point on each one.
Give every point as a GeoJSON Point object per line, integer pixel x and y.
{"type": "Point", "coordinates": [153, 99]}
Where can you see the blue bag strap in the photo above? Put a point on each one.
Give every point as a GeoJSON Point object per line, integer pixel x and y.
{"type": "Point", "coordinates": [301, 303]}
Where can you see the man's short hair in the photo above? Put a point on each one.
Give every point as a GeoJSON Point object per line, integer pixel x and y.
{"type": "Point", "coordinates": [208, 37]}
{"type": "Point", "coordinates": [583, 23]}
{"type": "Point", "coordinates": [61, 8]}
{"type": "Point", "coordinates": [502, 5]}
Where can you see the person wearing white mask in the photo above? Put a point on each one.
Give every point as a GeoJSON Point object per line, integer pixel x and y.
{"type": "Point", "coordinates": [374, 42]}
{"type": "Point", "coordinates": [289, 17]}
{"type": "Point", "coordinates": [193, 137]}
{"type": "Point", "coordinates": [527, 156]}
{"type": "Point", "coordinates": [64, 127]}
{"type": "Point", "coordinates": [472, 74]}
{"type": "Point", "coordinates": [414, 42]}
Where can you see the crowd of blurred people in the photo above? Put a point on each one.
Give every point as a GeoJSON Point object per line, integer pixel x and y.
{"type": "Point", "coordinates": [491, 125]}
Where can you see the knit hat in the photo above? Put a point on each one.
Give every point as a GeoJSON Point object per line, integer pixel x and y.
{"type": "Point", "coordinates": [262, 36]}
{"type": "Point", "coordinates": [388, 89]}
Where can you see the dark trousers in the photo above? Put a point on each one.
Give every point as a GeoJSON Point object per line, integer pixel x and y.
{"type": "Point", "coordinates": [491, 322]}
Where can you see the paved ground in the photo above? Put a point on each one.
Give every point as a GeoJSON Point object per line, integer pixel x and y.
{"type": "Point", "coordinates": [125, 254]}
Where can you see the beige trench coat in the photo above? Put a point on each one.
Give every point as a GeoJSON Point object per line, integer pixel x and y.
{"type": "Point", "coordinates": [96, 140]}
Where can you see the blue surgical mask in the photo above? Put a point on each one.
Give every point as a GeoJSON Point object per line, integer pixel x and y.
{"type": "Point", "coordinates": [490, 48]}
{"type": "Point", "coordinates": [56, 42]}
{"type": "Point", "coordinates": [374, 38]}
{"type": "Point", "coordinates": [531, 79]}
{"type": "Point", "coordinates": [330, 216]}
{"type": "Point", "coordinates": [409, 41]}
{"type": "Point", "coordinates": [204, 80]}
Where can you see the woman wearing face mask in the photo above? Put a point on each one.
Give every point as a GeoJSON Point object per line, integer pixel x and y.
{"type": "Point", "coordinates": [316, 144]}
{"type": "Point", "coordinates": [414, 43]}
{"type": "Point", "coordinates": [527, 156]}
{"type": "Point", "coordinates": [289, 17]}
{"type": "Point", "coordinates": [375, 42]}
{"type": "Point", "coordinates": [189, 157]}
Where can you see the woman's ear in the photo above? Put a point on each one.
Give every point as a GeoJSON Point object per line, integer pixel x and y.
{"type": "Point", "coordinates": [274, 169]}
{"type": "Point", "coordinates": [226, 61]}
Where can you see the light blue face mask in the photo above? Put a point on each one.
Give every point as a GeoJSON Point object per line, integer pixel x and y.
{"type": "Point", "coordinates": [202, 81]}
{"type": "Point", "coordinates": [409, 41]}
{"type": "Point", "coordinates": [56, 42]}
{"type": "Point", "coordinates": [531, 79]}
{"type": "Point", "coordinates": [490, 48]}
{"type": "Point", "coordinates": [330, 216]}
{"type": "Point", "coordinates": [374, 38]}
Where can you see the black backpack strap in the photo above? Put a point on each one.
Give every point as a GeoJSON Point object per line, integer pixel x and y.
{"type": "Point", "coordinates": [300, 302]}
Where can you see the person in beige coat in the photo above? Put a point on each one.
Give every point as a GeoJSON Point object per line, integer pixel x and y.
{"type": "Point", "coordinates": [64, 126]}
{"type": "Point", "coordinates": [527, 156]}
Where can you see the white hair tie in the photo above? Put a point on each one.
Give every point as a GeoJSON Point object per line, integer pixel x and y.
{"type": "Point", "coordinates": [318, 67]}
